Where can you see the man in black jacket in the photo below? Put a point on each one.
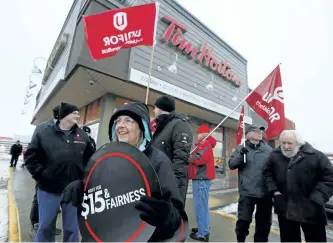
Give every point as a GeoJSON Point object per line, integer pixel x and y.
{"type": "Point", "coordinates": [15, 151]}
{"type": "Point", "coordinates": [174, 137]}
{"type": "Point", "coordinates": [251, 185]}
{"type": "Point", "coordinates": [34, 218]}
{"type": "Point", "coordinates": [56, 156]}
{"type": "Point", "coordinates": [300, 179]}
{"type": "Point", "coordinates": [130, 124]}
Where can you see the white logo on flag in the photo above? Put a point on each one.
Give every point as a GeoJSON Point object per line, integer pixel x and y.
{"type": "Point", "coordinates": [278, 95]}
{"type": "Point", "coordinates": [120, 20]}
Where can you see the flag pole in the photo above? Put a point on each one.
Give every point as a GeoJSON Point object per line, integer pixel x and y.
{"type": "Point", "coordinates": [229, 114]}
{"type": "Point", "coordinates": [244, 138]}
{"type": "Point", "coordinates": [224, 119]}
{"type": "Point", "coordinates": [152, 52]}
{"type": "Point", "coordinates": [149, 71]}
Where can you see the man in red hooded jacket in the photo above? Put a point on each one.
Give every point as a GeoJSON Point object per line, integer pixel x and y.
{"type": "Point", "coordinates": [202, 172]}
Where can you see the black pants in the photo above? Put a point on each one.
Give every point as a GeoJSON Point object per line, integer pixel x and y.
{"type": "Point", "coordinates": [34, 217]}
{"type": "Point", "coordinates": [290, 231]}
{"type": "Point", "coordinates": [14, 160]}
{"type": "Point", "coordinates": [263, 218]}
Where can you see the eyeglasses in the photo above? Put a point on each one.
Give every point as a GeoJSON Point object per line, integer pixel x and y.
{"type": "Point", "coordinates": [76, 113]}
{"type": "Point", "coordinates": [126, 121]}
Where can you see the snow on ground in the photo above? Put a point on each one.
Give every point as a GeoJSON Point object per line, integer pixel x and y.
{"type": "Point", "coordinates": [3, 215]}
{"type": "Point", "coordinates": [4, 176]}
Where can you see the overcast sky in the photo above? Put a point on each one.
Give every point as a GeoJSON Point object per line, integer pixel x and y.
{"type": "Point", "coordinates": [295, 33]}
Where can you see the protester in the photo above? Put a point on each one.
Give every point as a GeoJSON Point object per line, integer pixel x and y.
{"type": "Point", "coordinates": [300, 179]}
{"type": "Point", "coordinates": [34, 218]}
{"type": "Point", "coordinates": [130, 124]}
{"type": "Point", "coordinates": [15, 151]}
{"type": "Point", "coordinates": [174, 137]}
{"type": "Point", "coordinates": [202, 172]}
{"type": "Point", "coordinates": [252, 190]}
{"type": "Point", "coordinates": [88, 131]}
{"type": "Point", "coordinates": [56, 156]}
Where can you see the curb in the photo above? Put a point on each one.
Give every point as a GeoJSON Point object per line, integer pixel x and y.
{"type": "Point", "coordinates": [14, 231]}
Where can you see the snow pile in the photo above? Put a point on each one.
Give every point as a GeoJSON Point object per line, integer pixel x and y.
{"type": "Point", "coordinates": [3, 215]}
{"type": "Point", "coordinates": [4, 176]}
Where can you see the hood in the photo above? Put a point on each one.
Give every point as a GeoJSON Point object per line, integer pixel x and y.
{"type": "Point", "coordinates": [139, 109]}
{"type": "Point", "coordinates": [211, 140]}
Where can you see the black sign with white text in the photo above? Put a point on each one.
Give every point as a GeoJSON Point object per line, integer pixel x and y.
{"type": "Point", "coordinates": [117, 175]}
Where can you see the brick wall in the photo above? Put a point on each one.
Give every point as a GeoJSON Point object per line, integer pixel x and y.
{"type": "Point", "coordinates": [231, 175]}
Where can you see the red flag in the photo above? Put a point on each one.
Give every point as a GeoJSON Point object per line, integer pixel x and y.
{"type": "Point", "coordinates": [113, 30]}
{"type": "Point", "coordinates": [267, 100]}
{"type": "Point", "coordinates": [240, 127]}
{"type": "Point", "coordinates": [153, 125]}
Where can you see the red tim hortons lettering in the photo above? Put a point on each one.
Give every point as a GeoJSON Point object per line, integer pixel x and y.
{"type": "Point", "coordinates": [205, 57]}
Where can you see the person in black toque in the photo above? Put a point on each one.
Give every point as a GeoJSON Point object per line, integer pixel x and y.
{"type": "Point", "coordinates": [56, 156]}
{"type": "Point", "coordinates": [174, 137]}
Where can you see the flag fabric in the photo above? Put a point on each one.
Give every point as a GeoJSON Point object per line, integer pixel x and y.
{"type": "Point", "coordinates": [109, 32]}
{"type": "Point", "coordinates": [267, 100]}
{"type": "Point", "coordinates": [240, 127]}
{"type": "Point", "coordinates": [153, 125]}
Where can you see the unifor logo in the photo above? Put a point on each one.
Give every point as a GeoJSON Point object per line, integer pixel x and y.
{"type": "Point", "coordinates": [120, 20]}
{"type": "Point", "coordinates": [277, 95]}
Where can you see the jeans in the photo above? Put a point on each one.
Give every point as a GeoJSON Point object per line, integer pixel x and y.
{"type": "Point", "coordinates": [201, 209]}
{"type": "Point", "coordinates": [48, 206]}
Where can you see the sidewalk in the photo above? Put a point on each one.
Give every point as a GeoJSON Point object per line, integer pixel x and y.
{"type": "Point", "coordinates": [222, 226]}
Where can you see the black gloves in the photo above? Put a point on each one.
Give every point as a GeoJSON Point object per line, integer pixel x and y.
{"type": "Point", "coordinates": [73, 193]}
{"type": "Point", "coordinates": [159, 211]}
{"type": "Point", "coordinates": [243, 151]}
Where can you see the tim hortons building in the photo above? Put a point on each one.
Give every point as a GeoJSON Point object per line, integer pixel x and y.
{"type": "Point", "coordinates": [205, 74]}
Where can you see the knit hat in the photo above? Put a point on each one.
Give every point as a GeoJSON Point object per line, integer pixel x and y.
{"type": "Point", "coordinates": [66, 109]}
{"type": "Point", "coordinates": [56, 112]}
{"type": "Point", "coordinates": [203, 129]}
{"type": "Point", "coordinates": [132, 115]}
{"type": "Point", "coordinates": [166, 103]}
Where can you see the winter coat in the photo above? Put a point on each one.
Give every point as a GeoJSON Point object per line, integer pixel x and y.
{"type": "Point", "coordinates": [202, 163]}
{"type": "Point", "coordinates": [251, 174]}
{"type": "Point", "coordinates": [305, 182]}
{"type": "Point", "coordinates": [54, 159]}
{"type": "Point", "coordinates": [162, 166]}
{"type": "Point", "coordinates": [16, 149]}
{"type": "Point", "coordinates": [174, 137]}
{"type": "Point", "coordinates": [93, 143]}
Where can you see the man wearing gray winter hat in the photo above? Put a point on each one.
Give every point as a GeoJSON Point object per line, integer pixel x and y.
{"type": "Point", "coordinates": [252, 190]}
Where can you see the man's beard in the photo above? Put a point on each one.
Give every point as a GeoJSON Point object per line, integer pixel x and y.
{"type": "Point", "coordinates": [291, 153]}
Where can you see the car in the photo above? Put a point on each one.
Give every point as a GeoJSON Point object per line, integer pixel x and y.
{"type": "Point", "coordinates": [329, 206]}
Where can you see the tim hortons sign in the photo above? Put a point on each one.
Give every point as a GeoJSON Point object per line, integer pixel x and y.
{"type": "Point", "coordinates": [203, 56]}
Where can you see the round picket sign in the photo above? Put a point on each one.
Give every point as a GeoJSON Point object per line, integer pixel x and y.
{"type": "Point", "coordinates": [117, 175]}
